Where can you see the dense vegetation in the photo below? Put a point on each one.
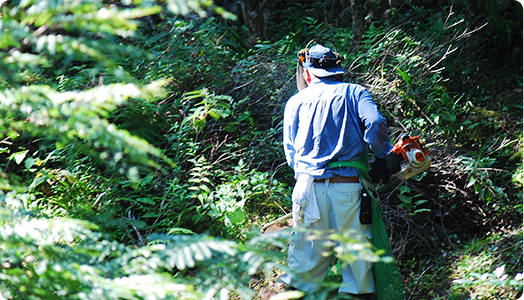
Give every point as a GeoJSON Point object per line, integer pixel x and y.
{"type": "Point", "coordinates": [141, 144]}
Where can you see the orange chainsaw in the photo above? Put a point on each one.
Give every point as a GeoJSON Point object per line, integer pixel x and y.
{"type": "Point", "coordinates": [408, 157]}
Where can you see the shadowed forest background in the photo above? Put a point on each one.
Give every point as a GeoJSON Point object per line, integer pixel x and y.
{"type": "Point", "coordinates": [141, 153]}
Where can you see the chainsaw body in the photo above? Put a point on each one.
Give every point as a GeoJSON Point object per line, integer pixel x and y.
{"type": "Point", "coordinates": [408, 157]}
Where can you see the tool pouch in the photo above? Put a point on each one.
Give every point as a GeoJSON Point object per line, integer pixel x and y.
{"type": "Point", "coordinates": [365, 208]}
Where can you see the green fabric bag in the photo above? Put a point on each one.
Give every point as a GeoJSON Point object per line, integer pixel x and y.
{"type": "Point", "coordinates": [389, 283]}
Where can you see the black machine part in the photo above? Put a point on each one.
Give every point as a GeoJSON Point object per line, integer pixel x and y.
{"type": "Point", "coordinates": [365, 208]}
{"type": "Point", "coordinates": [393, 162]}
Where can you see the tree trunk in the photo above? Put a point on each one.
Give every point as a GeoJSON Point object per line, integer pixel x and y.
{"type": "Point", "coordinates": [357, 7]}
{"type": "Point", "coordinates": [254, 13]}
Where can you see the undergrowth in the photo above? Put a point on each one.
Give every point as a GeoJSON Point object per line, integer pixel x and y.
{"type": "Point", "coordinates": [171, 154]}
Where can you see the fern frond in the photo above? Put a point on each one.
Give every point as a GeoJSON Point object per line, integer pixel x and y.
{"type": "Point", "coordinates": [183, 251]}
{"type": "Point", "coordinates": [77, 116]}
{"type": "Point", "coordinates": [200, 179]}
{"type": "Point", "coordinates": [216, 265]}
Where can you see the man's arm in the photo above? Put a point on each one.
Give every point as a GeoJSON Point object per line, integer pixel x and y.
{"type": "Point", "coordinates": [375, 135]}
{"type": "Point", "coordinates": [289, 132]}
{"type": "Point", "coordinates": [375, 131]}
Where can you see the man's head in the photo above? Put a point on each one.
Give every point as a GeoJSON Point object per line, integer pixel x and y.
{"type": "Point", "coordinates": [321, 61]}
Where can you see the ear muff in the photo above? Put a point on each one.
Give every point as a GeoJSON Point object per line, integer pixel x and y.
{"type": "Point", "coordinates": [302, 55]}
{"type": "Point", "coordinates": [339, 58]}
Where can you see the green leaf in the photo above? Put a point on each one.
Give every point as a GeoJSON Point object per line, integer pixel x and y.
{"type": "Point", "coordinates": [405, 199]}
{"type": "Point", "coordinates": [43, 18]}
{"type": "Point", "coordinates": [449, 118]}
{"type": "Point", "coordinates": [405, 76]}
{"type": "Point", "coordinates": [39, 178]}
{"type": "Point", "coordinates": [419, 202]}
{"type": "Point", "coordinates": [18, 157]}
{"type": "Point", "coordinates": [237, 217]}
{"type": "Point", "coordinates": [404, 189]}
{"type": "Point", "coordinates": [7, 40]}
{"type": "Point", "coordinates": [29, 162]}
{"type": "Point", "coordinates": [178, 230]}
{"type": "Point", "coordinates": [471, 182]}
{"type": "Point", "coordinates": [213, 114]}
{"type": "Point", "coordinates": [151, 214]}
{"type": "Point", "coordinates": [473, 125]}
{"type": "Point", "coordinates": [421, 210]}
{"type": "Point", "coordinates": [145, 200]}
{"type": "Point", "coordinates": [204, 188]}
{"type": "Point", "coordinates": [244, 116]}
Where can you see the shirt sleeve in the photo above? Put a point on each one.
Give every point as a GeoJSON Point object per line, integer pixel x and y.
{"type": "Point", "coordinates": [289, 133]}
{"type": "Point", "coordinates": [375, 126]}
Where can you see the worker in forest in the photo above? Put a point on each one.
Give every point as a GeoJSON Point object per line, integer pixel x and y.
{"type": "Point", "coordinates": [328, 125]}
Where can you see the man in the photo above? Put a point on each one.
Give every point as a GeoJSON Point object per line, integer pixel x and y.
{"type": "Point", "coordinates": [329, 121]}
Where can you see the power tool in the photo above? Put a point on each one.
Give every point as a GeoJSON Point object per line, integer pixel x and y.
{"type": "Point", "coordinates": [408, 157]}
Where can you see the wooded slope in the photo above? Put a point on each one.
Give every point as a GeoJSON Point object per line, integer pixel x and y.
{"type": "Point", "coordinates": [141, 147]}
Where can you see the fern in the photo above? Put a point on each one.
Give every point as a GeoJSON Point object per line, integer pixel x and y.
{"type": "Point", "coordinates": [70, 117]}
{"type": "Point", "coordinates": [49, 259]}
{"type": "Point", "coordinates": [40, 26]}
{"type": "Point", "coordinates": [215, 106]}
{"type": "Point", "coordinates": [215, 266]}
{"type": "Point", "coordinates": [200, 179]}
{"type": "Point", "coordinates": [181, 252]}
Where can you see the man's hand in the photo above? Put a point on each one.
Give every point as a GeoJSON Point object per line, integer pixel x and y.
{"type": "Point", "coordinates": [379, 171]}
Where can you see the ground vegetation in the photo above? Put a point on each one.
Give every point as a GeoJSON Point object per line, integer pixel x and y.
{"type": "Point", "coordinates": [141, 154]}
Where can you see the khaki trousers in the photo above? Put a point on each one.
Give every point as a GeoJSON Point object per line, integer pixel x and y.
{"type": "Point", "coordinates": [339, 205]}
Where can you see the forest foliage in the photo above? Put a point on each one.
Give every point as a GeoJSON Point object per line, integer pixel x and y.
{"type": "Point", "coordinates": [141, 154]}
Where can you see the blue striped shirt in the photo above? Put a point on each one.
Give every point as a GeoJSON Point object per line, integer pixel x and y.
{"type": "Point", "coordinates": [332, 121]}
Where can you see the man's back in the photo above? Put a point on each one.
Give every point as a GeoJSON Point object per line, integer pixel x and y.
{"type": "Point", "coordinates": [323, 124]}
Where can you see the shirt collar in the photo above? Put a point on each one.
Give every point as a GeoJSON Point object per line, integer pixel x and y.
{"type": "Point", "coordinates": [323, 79]}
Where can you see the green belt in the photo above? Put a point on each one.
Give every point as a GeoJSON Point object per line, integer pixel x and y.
{"type": "Point", "coordinates": [361, 164]}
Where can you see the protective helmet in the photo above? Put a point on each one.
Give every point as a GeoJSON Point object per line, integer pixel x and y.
{"type": "Point", "coordinates": [320, 61]}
